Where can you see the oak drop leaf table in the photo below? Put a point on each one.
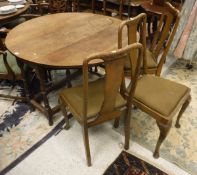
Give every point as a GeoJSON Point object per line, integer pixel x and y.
{"type": "Point", "coordinates": [60, 41]}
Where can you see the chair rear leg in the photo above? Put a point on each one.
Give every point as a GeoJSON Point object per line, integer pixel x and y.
{"type": "Point", "coordinates": [116, 122]}
{"type": "Point", "coordinates": [164, 129]}
{"type": "Point", "coordinates": [127, 128]}
{"type": "Point", "coordinates": [64, 112]}
{"type": "Point", "coordinates": [96, 69]}
{"type": "Point", "coordinates": [69, 84]}
{"type": "Point", "coordinates": [177, 125]}
{"type": "Point", "coordinates": [86, 144]}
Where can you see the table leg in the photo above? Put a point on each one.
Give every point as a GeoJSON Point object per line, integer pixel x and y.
{"type": "Point", "coordinates": [40, 71]}
{"type": "Point", "coordinates": [25, 83]}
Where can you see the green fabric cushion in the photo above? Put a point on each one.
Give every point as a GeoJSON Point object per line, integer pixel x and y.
{"type": "Point", "coordinates": [159, 94]}
{"type": "Point", "coordinates": [73, 97]}
{"type": "Point", "coordinates": [151, 63]}
{"type": "Point", "coordinates": [12, 63]}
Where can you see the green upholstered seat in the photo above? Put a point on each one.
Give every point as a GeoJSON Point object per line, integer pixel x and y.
{"type": "Point", "coordinates": [151, 63]}
{"type": "Point", "coordinates": [12, 63]}
{"type": "Point", "coordinates": [159, 94]}
{"type": "Point", "coordinates": [73, 97]}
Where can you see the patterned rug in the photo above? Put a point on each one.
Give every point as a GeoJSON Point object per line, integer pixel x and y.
{"type": "Point", "coordinates": [180, 146]}
{"type": "Point", "coordinates": [22, 131]}
{"type": "Point", "coordinates": [127, 164]}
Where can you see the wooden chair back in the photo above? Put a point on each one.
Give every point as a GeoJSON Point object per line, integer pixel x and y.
{"type": "Point", "coordinates": [6, 71]}
{"type": "Point", "coordinates": [136, 31]}
{"type": "Point", "coordinates": [119, 6]}
{"type": "Point", "coordinates": [49, 6]}
{"type": "Point", "coordinates": [114, 76]}
{"type": "Point", "coordinates": [57, 6]}
{"type": "Point", "coordinates": [9, 75]}
{"type": "Point", "coordinates": [90, 4]}
{"type": "Point", "coordinates": [165, 33]}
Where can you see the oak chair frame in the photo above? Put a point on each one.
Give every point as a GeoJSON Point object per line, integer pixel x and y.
{"type": "Point", "coordinates": [164, 122]}
{"type": "Point", "coordinates": [163, 37]}
{"type": "Point", "coordinates": [120, 9]}
{"type": "Point", "coordinates": [9, 75]}
{"type": "Point", "coordinates": [114, 80]}
{"type": "Point", "coordinates": [78, 3]}
{"type": "Point", "coordinates": [50, 6]}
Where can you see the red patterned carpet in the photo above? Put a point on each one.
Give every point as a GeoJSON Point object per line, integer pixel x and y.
{"type": "Point", "coordinates": [127, 164]}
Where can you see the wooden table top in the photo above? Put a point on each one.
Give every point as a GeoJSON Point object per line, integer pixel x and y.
{"type": "Point", "coordinates": [63, 39]}
{"type": "Point", "coordinates": [9, 17]}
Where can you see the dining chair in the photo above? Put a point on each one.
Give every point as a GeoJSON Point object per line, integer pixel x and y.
{"type": "Point", "coordinates": [101, 100]}
{"type": "Point", "coordinates": [90, 4]}
{"type": "Point", "coordinates": [42, 7]}
{"type": "Point", "coordinates": [58, 6]}
{"type": "Point", "coordinates": [162, 39]}
{"type": "Point", "coordinates": [33, 12]}
{"type": "Point", "coordinates": [160, 98]}
{"type": "Point", "coordinates": [115, 6]}
{"type": "Point", "coordinates": [156, 51]}
{"type": "Point", "coordinates": [9, 70]}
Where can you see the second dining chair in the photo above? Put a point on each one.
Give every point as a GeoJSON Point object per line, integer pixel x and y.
{"type": "Point", "coordinates": [42, 7]}
{"type": "Point", "coordinates": [160, 98]}
{"type": "Point", "coordinates": [99, 101]}
{"type": "Point", "coordinates": [162, 39]}
{"type": "Point", "coordinates": [10, 71]}
{"type": "Point", "coordinates": [156, 52]}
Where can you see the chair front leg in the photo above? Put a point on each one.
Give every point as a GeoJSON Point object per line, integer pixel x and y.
{"type": "Point", "coordinates": [86, 144]}
{"type": "Point", "coordinates": [164, 130]}
{"type": "Point", "coordinates": [177, 125]}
